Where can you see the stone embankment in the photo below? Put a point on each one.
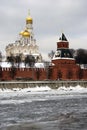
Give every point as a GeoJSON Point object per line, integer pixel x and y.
{"type": "Point", "coordinates": [51, 84]}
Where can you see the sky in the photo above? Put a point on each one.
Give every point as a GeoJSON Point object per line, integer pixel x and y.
{"type": "Point", "coordinates": [50, 19]}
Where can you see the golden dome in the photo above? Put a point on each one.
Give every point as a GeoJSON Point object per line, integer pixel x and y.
{"type": "Point", "coordinates": [26, 34]}
{"type": "Point", "coordinates": [29, 20]}
{"type": "Point", "coordinates": [21, 33]}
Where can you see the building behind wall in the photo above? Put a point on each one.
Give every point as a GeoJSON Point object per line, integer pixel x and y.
{"type": "Point", "coordinates": [25, 44]}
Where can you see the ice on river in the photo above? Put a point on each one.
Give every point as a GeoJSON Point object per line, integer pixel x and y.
{"type": "Point", "coordinates": [18, 95]}
{"type": "Point", "coordinates": [43, 108]}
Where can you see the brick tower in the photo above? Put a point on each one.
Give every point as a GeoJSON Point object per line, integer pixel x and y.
{"type": "Point", "coordinates": [64, 63]}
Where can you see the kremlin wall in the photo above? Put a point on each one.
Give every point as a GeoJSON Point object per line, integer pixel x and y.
{"type": "Point", "coordinates": [62, 67]}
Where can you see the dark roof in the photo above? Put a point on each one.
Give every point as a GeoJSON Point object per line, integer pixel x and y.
{"type": "Point", "coordinates": [63, 37]}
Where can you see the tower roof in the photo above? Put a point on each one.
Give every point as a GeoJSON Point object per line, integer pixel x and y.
{"type": "Point", "coordinates": [63, 37]}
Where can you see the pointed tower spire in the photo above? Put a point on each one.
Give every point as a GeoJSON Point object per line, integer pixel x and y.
{"type": "Point", "coordinates": [63, 37]}
{"type": "Point", "coordinates": [28, 12]}
{"type": "Point", "coordinates": [63, 42]}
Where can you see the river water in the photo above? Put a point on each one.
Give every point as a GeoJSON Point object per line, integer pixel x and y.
{"type": "Point", "coordinates": [42, 108]}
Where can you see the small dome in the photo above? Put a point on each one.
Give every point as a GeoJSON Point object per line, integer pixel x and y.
{"type": "Point", "coordinates": [21, 33]}
{"type": "Point", "coordinates": [29, 20]}
{"type": "Point", "coordinates": [26, 34]}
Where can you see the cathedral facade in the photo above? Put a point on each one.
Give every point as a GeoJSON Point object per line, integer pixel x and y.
{"type": "Point", "coordinates": [26, 43]}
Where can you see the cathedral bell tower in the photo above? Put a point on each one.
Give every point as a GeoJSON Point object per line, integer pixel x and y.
{"type": "Point", "coordinates": [29, 23]}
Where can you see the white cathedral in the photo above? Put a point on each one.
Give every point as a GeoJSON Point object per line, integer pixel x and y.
{"type": "Point", "coordinates": [26, 44]}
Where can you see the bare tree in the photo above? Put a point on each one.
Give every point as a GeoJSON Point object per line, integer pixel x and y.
{"type": "Point", "coordinates": [0, 56]}
{"type": "Point", "coordinates": [11, 59]}
{"type": "Point", "coordinates": [29, 60]}
{"type": "Point", "coordinates": [81, 56]}
{"type": "Point", "coordinates": [18, 60]}
{"type": "Point", "coordinates": [51, 54]}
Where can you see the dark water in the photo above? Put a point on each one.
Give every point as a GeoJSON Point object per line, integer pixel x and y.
{"type": "Point", "coordinates": [64, 109]}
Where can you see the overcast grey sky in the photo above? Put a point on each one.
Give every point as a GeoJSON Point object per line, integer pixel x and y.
{"type": "Point", "coordinates": [50, 18]}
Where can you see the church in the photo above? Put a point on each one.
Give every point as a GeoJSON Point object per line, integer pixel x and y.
{"type": "Point", "coordinates": [25, 44]}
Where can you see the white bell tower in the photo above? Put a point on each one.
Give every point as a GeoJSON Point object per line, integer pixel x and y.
{"type": "Point", "coordinates": [29, 23]}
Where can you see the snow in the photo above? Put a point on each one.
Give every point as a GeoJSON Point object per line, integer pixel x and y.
{"type": "Point", "coordinates": [62, 89]}
{"type": "Point", "coordinates": [39, 65]}
{"type": "Point", "coordinates": [5, 65]}
{"type": "Point", "coordinates": [76, 89]}
{"type": "Point", "coordinates": [33, 89]}
{"type": "Point", "coordinates": [83, 66]}
{"type": "Point", "coordinates": [19, 95]}
{"type": "Point", "coordinates": [55, 58]}
{"type": "Point", "coordinates": [22, 65]}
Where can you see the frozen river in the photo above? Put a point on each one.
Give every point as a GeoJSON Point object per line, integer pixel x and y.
{"type": "Point", "coordinates": [43, 109]}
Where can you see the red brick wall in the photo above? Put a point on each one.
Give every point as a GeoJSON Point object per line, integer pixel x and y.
{"type": "Point", "coordinates": [60, 71]}
{"type": "Point", "coordinates": [62, 44]}
{"type": "Point", "coordinates": [24, 73]}
{"type": "Point", "coordinates": [84, 74]}
{"type": "Point", "coordinates": [66, 69]}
